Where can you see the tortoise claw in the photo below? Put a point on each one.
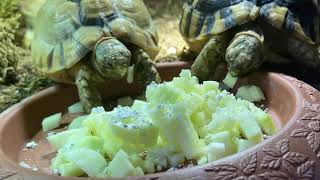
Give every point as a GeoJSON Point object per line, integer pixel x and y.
{"type": "Point", "coordinates": [244, 55]}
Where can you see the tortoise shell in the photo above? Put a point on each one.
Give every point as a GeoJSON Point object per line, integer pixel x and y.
{"type": "Point", "coordinates": [204, 18]}
{"type": "Point", "coordinates": [66, 31]}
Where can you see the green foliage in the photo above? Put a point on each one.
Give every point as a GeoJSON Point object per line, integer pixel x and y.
{"type": "Point", "coordinates": [9, 52]}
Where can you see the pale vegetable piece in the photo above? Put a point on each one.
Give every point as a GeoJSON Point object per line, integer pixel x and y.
{"type": "Point", "coordinates": [138, 171]}
{"type": "Point", "coordinates": [149, 166]}
{"type": "Point", "coordinates": [250, 128]}
{"type": "Point", "coordinates": [111, 147]}
{"type": "Point", "coordinates": [265, 122]}
{"type": "Point", "coordinates": [176, 127]}
{"type": "Point", "coordinates": [76, 108]}
{"type": "Point", "coordinates": [250, 93]}
{"type": "Point", "coordinates": [263, 119]}
{"type": "Point", "coordinates": [96, 123]}
{"type": "Point", "coordinates": [230, 80]}
{"type": "Point", "coordinates": [176, 159]}
{"type": "Point", "coordinates": [125, 101]}
{"type": "Point", "coordinates": [60, 139]}
{"type": "Point", "coordinates": [51, 122]}
{"type": "Point", "coordinates": [210, 86]}
{"type": "Point", "coordinates": [88, 142]}
{"type": "Point", "coordinates": [225, 99]}
{"type": "Point", "coordinates": [224, 120]}
{"type": "Point", "coordinates": [70, 169]}
{"type": "Point", "coordinates": [98, 110]}
{"type": "Point", "coordinates": [159, 156]}
{"type": "Point", "coordinates": [193, 102]}
{"type": "Point", "coordinates": [161, 93]}
{"type": "Point", "coordinates": [104, 174]}
{"type": "Point", "coordinates": [199, 120]}
{"type": "Point", "coordinates": [136, 160]}
{"type": "Point", "coordinates": [121, 132]}
{"type": "Point", "coordinates": [244, 144]}
{"type": "Point", "coordinates": [202, 160]}
{"type": "Point", "coordinates": [141, 106]}
{"type": "Point", "coordinates": [57, 162]}
{"type": "Point", "coordinates": [225, 137]}
{"type": "Point", "coordinates": [130, 76]}
{"type": "Point", "coordinates": [185, 82]}
{"type": "Point", "coordinates": [120, 166]}
{"type": "Point", "coordinates": [89, 161]}
{"type": "Point", "coordinates": [216, 151]}
{"type": "Point", "coordinates": [62, 164]}
{"type": "Point", "coordinates": [132, 126]}
{"type": "Point", "coordinates": [77, 122]}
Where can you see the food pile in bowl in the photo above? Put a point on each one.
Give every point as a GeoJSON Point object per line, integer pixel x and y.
{"type": "Point", "coordinates": [180, 121]}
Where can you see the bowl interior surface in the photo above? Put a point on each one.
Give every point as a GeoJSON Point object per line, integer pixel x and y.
{"type": "Point", "coordinates": [22, 123]}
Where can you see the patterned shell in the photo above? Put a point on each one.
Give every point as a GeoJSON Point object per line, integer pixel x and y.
{"type": "Point", "coordinates": [203, 18]}
{"type": "Point", "coordinates": [66, 31]}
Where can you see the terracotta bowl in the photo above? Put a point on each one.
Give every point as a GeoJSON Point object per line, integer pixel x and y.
{"type": "Point", "coordinates": [292, 153]}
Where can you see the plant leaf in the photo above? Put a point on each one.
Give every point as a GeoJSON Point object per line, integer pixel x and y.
{"type": "Point", "coordinates": [274, 175]}
{"type": "Point", "coordinates": [283, 146]}
{"type": "Point", "coordinates": [306, 170]}
{"type": "Point", "coordinates": [303, 132]}
{"type": "Point", "coordinates": [249, 164]}
{"type": "Point", "coordinates": [310, 116]}
{"type": "Point", "coordinates": [271, 162]}
{"type": "Point", "coordinates": [272, 153]}
{"type": "Point", "coordinates": [314, 142]}
{"type": "Point", "coordinates": [295, 158]}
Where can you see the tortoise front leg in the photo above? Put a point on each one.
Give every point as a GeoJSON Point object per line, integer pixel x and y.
{"type": "Point", "coordinates": [209, 58]}
{"type": "Point", "coordinates": [87, 81]}
{"type": "Point", "coordinates": [245, 53]}
{"type": "Point", "coordinates": [145, 71]}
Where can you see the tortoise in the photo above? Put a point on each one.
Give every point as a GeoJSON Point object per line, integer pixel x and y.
{"type": "Point", "coordinates": [246, 33]}
{"type": "Point", "coordinates": [86, 42]}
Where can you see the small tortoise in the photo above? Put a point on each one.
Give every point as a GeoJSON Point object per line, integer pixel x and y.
{"type": "Point", "coordinates": [244, 33]}
{"type": "Point", "coordinates": [85, 42]}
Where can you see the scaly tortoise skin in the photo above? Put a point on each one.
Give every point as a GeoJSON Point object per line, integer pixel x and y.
{"type": "Point", "coordinates": [245, 33]}
{"type": "Point", "coordinates": [87, 41]}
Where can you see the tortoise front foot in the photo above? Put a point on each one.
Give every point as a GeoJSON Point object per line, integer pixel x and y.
{"type": "Point", "coordinates": [145, 71]}
{"type": "Point", "coordinates": [209, 58]}
{"type": "Point", "coordinates": [87, 88]}
{"type": "Point", "coordinates": [244, 54]}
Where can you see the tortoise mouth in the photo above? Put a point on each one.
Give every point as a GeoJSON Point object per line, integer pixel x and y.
{"type": "Point", "coordinates": [115, 73]}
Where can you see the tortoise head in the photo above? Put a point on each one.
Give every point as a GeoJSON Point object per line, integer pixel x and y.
{"type": "Point", "coordinates": [112, 58]}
